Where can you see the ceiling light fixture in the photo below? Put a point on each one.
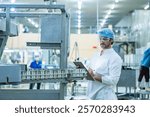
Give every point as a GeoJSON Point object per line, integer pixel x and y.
{"type": "Point", "coordinates": [79, 25]}
{"type": "Point", "coordinates": [79, 16]}
{"type": "Point", "coordinates": [79, 20]}
{"type": "Point", "coordinates": [79, 4]}
{"type": "Point", "coordinates": [109, 12]}
{"type": "Point", "coordinates": [106, 16]}
{"type": "Point", "coordinates": [79, 31]}
{"type": "Point", "coordinates": [113, 6]}
{"type": "Point", "coordinates": [146, 6]}
{"type": "Point", "coordinates": [12, 9]}
{"type": "Point", "coordinates": [79, 12]}
{"type": "Point", "coordinates": [116, 1]}
{"type": "Point", "coordinates": [103, 22]}
{"type": "Point", "coordinates": [13, 1]}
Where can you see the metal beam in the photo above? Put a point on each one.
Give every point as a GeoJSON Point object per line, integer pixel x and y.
{"type": "Point", "coordinates": [16, 94]}
{"type": "Point", "coordinates": [45, 45]}
{"type": "Point", "coordinates": [34, 6]}
{"type": "Point", "coordinates": [18, 14]}
{"type": "Point", "coordinates": [32, 14]}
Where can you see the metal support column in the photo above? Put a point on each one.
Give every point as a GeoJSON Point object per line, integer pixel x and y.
{"type": "Point", "coordinates": [4, 38]}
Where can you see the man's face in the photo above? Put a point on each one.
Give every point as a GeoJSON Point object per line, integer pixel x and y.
{"type": "Point", "coordinates": [105, 43]}
{"type": "Point", "coordinates": [37, 58]}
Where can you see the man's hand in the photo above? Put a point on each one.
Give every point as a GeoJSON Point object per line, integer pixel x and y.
{"type": "Point", "coordinates": [91, 72]}
{"type": "Point", "coordinates": [94, 76]}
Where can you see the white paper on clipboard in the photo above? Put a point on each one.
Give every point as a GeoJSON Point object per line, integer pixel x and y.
{"type": "Point", "coordinates": [80, 65]}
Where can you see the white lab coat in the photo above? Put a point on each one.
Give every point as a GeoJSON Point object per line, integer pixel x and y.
{"type": "Point", "coordinates": [108, 65]}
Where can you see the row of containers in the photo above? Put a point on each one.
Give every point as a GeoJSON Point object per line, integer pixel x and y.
{"type": "Point", "coordinates": [39, 74]}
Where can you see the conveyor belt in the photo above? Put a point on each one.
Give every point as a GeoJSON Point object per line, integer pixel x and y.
{"type": "Point", "coordinates": [39, 75]}
{"type": "Point", "coordinates": [53, 75]}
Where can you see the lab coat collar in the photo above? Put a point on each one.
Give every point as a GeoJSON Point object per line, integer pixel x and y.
{"type": "Point", "coordinates": [107, 50]}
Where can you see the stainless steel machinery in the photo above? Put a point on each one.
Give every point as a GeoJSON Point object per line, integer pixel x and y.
{"type": "Point", "coordinates": [16, 74]}
{"type": "Point", "coordinates": [54, 35]}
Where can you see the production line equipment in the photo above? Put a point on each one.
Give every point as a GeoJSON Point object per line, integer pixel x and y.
{"type": "Point", "coordinates": [21, 75]}
{"type": "Point", "coordinates": [55, 31]}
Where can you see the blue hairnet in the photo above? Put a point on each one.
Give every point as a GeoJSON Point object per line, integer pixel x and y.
{"type": "Point", "coordinates": [106, 32]}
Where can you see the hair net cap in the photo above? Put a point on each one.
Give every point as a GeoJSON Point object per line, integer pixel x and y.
{"type": "Point", "coordinates": [36, 54]}
{"type": "Point", "coordinates": [106, 32]}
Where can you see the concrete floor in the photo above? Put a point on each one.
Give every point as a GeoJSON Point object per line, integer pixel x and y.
{"type": "Point", "coordinates": [79, 90]}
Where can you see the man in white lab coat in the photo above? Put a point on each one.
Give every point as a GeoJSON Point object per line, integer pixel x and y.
{"type": "Point", "coordinates": [105, 68]}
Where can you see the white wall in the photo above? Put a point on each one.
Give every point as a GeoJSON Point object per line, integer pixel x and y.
{"type": "Point", "coordinates": [85, 43]}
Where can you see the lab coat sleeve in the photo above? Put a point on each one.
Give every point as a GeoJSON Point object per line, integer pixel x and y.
{"type": "Point", "coordinates": [113, 76]}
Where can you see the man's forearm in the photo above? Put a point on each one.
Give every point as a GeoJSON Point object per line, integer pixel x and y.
{"type": "Point", "coordinates": [97, 78]}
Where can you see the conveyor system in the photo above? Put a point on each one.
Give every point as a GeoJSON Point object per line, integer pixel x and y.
{"type": "Point", "coordinates": [62, 76]}
{"type": "Point", "coordinates": [52, 75]}
{"type": "Point", "coordinates": [55, 31]}
{"type": "Point", "coordinates": [14, 74]}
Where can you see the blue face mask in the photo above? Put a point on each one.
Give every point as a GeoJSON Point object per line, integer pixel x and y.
{"type": "Point", "coordinates": [37, 58]}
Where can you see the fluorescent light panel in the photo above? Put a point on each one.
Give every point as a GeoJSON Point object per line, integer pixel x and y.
{"type": "Point", "coordinates": [106, 16]}
{"type": "Point", "coordinates": [146, 7]}
{"type": "Point", "coordinates": [13, 1]}
{"type": "Point", "coordinates": [79, 4]}
{"type": "Point", "coordinates": [113, 6]}
{"type": "Point", "coordinates": [109, 12]}
{"type": "Point", "coordinates": [12, 9]}
{"type": "Point", "coordinates": [116, 1]}
{"type": "Point", "coordinates": [79, 16]}
{"type": "Point", "coordinates": [79, 25]}
{"type": "Point", "coordinates": [79, 20]}
{"type": "Point", "coordinates": [79, 31]}
{"type": "Point", "coordinates": [79, 12]}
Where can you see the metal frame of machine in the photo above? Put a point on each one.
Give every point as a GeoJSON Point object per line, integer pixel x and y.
{"type": "Point", "coordinates": [45, 75]}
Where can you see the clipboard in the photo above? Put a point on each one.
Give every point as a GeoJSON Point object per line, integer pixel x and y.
{"type": "Point", "coordinates": [80, 65]}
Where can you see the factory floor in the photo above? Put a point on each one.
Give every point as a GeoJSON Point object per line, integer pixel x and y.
{"type": "Point", "coordinates": [77, 90]}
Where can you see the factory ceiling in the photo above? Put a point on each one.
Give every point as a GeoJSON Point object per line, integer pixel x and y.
{"type": "Point", "coordinates": [88, 15]}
